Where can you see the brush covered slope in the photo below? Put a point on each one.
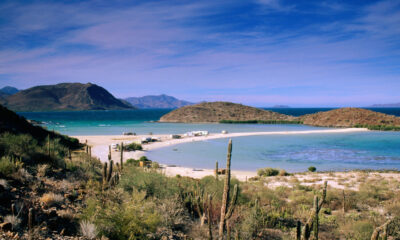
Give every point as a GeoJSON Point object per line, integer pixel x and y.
{"type": "Point", "coordinates": [222, 111]}
{"type": "Point", "coordinates": [350, 117]}
{"type": "Point", "coordinates": [64, 96]}
{"type": "Point", "coordinates": [13, 123]}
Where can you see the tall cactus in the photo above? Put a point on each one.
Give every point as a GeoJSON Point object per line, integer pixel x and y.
{"type": "Point", "coordinates": [312, 223]}
{"type": "Point", "coordinates": [216, 170]}
{"type": "Point", "coordinates": [48, 145]}
{"type": "Point", "coordinates": [209, 217]}
{"type": "Point", "coordinates": [316, 220]}
{"type": "Point", "coordinates": [227, 209]}
{"type": "Point", "coordinates": [122, 156]}
{"type": "Point", "coordinates": [105, 173]}
{"type": "Point", "coordinates": [109, 153]}
{"type": "Point", "coordinates": [30, 222]}
{"type": "Point", "coordinates": [110, 170]}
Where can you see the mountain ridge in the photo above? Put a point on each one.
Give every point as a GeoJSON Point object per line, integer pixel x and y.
{"type": "Point", "coordinates": [157, 101]}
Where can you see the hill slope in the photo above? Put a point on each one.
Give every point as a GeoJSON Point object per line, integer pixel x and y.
{"type": "Point", "coordinates": [64, 96]}
{"type": "Point", "coordinates": [349, 117]}
{"type": "Point", "coordinates": [160, 101]}
{"type": "Point", "coordinates": [13, 123]}
{"type": "Point", "coordinates": [218, 111]}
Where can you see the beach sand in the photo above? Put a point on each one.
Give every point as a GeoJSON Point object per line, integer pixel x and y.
{"type": "Point", "coordinates": [100, 145]}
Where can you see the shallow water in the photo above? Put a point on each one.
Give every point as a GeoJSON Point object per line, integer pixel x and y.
{"type": "Point", "coordinates": [339, 151]}
{"type": "Point", "coordinates": [294, 153]}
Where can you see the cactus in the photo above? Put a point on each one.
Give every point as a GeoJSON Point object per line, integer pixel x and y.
{"type": "Point", "coordinates": [209, 218]}
{"type": "Point", "coordinates": [30, 222]}
{"type": "Point", "coordinates": [105, 173]}
{"type": "Point", "coordinates": [69, 155]}
{"type": "Point", "coordinates": [48, 145]}
{"type": "Point", "coordinates": [216, 170]}
{"type": "Point", "coordinates": [344, 202]}
{"type": "Point", "coordinates": [227, 209]}
{"type": "Point", "coordinates": [381, 229]}
{"type": "Point", "coordinates": [110, 170]}
{"type": "Point", "coordinates": [316, 220]}
{"type": "Point", "coordinates": [312, 223]}
{"type": "Point", "coordinates": [13, 209]}
{"type": "Point", "coordinates": [298, 230]}
{"type": "Point", "coordinates": [122, 155]}
{"type": "Point", "coordinates": [109, 153]}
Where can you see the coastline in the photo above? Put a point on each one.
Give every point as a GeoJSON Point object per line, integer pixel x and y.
{"type": "Point", "coordinates": [100, 143]}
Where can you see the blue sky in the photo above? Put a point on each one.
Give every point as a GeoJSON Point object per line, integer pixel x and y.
{"type": "Point", "coordinates": [261, 52]}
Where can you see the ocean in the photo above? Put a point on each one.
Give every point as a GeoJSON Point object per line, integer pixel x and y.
{"type": "Point", "coordinates": [295, 153]}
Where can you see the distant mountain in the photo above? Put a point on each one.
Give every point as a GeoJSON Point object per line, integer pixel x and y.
{"type": "Point", "coordinates": [64, 96]}
{"type": "Point", "coordinates": [222, 111]}
{"type": "Point", "coordinates": [281, 106]}
{"type": "Point", "coordinates": [160, 101]}
{"type": "Point", "coordinates": [8, 90]}
{"type": "Point", "coordinates": [388, 105]}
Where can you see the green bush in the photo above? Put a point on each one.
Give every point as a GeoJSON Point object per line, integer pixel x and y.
{"type": "Point", "coordinates": [120, 215]}
{"type": "Point", "coordinates": [267, 172]}
{"type": "Point", "coordinates": [312, 169]}
{"type": "Point", "coordinates": [133, 147]}
{"type": "Point", "coordinates": [9, 166]}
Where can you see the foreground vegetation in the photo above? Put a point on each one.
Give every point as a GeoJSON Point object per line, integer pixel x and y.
{"type": "Point", "coordinates": [46, 192]}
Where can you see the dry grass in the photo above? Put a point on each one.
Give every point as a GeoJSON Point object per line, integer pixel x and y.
{"type": "Point", "coordinates": [50, 199]}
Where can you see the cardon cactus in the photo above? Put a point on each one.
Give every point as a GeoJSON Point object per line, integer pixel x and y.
{"type": "Point", "coordinates": [226, 207]}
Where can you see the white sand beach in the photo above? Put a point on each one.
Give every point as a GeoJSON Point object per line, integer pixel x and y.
{"type": "Point", "coordinates": [100, 148]}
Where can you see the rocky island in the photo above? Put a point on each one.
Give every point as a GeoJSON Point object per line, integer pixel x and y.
{"type": "Point", "coordinates": [215, 112]}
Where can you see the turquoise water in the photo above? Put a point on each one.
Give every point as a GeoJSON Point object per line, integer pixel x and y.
{"type": "Point", "coordinates": [294, 153]}
{"type": "Point", "coordinates": [371, 150]}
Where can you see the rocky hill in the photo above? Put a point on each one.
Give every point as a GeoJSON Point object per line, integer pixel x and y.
{"type": "Point", "coordinates": [350, 117]}
{"type": "Point", "coordinates": [160, 101]}
{"type": "Point", "coordinates": [219, 111]}
{"type": "Point", "coordinates": [64, 96]}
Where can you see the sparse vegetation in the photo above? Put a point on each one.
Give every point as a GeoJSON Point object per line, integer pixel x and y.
{"type": "Point", "coordinates": [133, 147]}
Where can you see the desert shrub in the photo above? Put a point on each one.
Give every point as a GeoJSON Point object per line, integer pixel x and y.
{"type": "Point", "coordinates": [50, 199]}
{"type": "Point", "coordinates": [152, 182]}
{"type": "Point", "coordinates": [267, 172]}
{"type": "Point", "coordinates": [119, 215]}
{"type": "Point", "coordinates": [88, 229]}
{"type": "Point", "coordinates": [358, 230]}
{"type": "Point", "coordinates": [14, 220]}
{"type": "Point", "coordinates": [22, 145]}
{"type": "Point", "coordinates": [8, 166]}
{"type": "Point", "coordinates": [133, 147]}
{"type": "Point", "coordinates": [143, 158]}
{"type": "Point", "coordinates": [42, 170]}
{"type": "Point", "coordinates": [312, 169]}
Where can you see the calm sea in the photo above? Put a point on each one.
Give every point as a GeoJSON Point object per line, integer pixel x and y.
{"type": "Point", "coordinates": [372, 150]}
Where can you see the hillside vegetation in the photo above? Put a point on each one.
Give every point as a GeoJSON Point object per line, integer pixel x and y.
{"type": "Point", "coordinates": [64, 96]}
{"type": "Point", "coordinates": [215, 112]}
{"type": "Point", "coordinates": [48, 191]}
{"type": "Point", "coordinates": [350, 117]}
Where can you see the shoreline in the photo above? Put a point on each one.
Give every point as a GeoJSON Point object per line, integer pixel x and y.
{"type": "Point", "coordinates": [100, 145]}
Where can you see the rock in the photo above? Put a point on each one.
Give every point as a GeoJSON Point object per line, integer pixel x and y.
{"type": "Point", "coordinates": [6, 226]}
